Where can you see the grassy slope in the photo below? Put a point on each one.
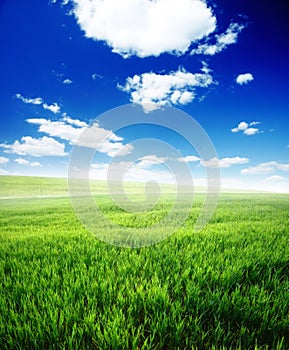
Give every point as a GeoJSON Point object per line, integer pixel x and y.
{"type": "Point", "coordinates": [226, 286]}
{"type": "Point", "coordinates": [28, 186]}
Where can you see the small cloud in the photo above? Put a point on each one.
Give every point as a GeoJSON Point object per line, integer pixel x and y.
{"type": "Point", "coordinates": [189, 159]}
{"type": "Point", "coordinates": [34, 101]}
{"type": "Point", "coordinates": [221, 41]}
{"type": "Point", "coordinates": [246, 128]}
{"type": "Point", "coordinates": [25, 162]}
{"type": "Point", "coordinates": [4, 160]}
{"type": "Point", "coordinates": [251, 131]}
{"type": "Point", "coordinates": [153, 91]}
{"type": "Point", "coordinates": [150, 160]}
{"type": "Point", "coordinates": [67, 81]}
{"type": "Point", "coordinates": [39, 101]}
{"type": "Point", "coordinates": [224, 162]}
{"type": "Point", "coordinates": [244, 78]}
{"type": "Point", "coordinates": [54, 107]}
{"type": "Point", "coordinates": [45, 146]}
{"type": "Point", "coordinates": [95, 76]}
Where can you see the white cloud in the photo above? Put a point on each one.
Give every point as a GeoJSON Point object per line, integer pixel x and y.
{"type": "Point", "coordinates": [70, 130]}
{"type": "Point", "coordinates": [221, 41]}
{"type": "Point", "coordinates": [244, 78]}
{"type": "Point", "coordinates": [95, 76]}
{"type": "Point", "coordinates": [4, 160]}
{"type": "Point", "coordinates": [25, 162]}
{"type": "Point", "coordinates": [144, 27]}
{"type": "Point", "coordinates": [67, 81]}
{"type": "Point", "coordinates": [251, 131]}
{"type": "Point", "coordinates": [34, 101]}
{"type": "Point", "coordinates": [188, 159]}
{"type": "Point", "coordinates": [224, 162]}
{"type": "Point", "coordinates": [150, 160]}
{"type": "Point", "coordinates": [265, 168]}
{"type": "Point", "coordinates": [54, 108]}
{"type": "Point", "coordinates": [3, 172]}
{"type": "Point", "coordinates": [75, 122]}
{"type": "Point", "coordinates": [246, 128]}
{"type": "Point", "coordinates": [57, 129]}
{"type": "Point", "coordinates": [275, 178]}
{"type": "Point", "coordinates": [153, 91]}
{"type": "Point", "coordinates": [139, 172]}
{"type": "Point", "coordinates": [28, 145]}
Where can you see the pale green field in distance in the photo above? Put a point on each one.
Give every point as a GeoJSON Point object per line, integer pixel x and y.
{"type": "Point", "coordinates": [226, 287]}
{"type": "Point", "coordinates": [28, 186]}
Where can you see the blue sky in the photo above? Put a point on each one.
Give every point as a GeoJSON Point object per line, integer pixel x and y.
{"type": "Point", "coordinates": [225, 63]}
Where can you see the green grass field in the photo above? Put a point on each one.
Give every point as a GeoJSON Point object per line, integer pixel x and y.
{"type": "Point", "coordinates": [226, 287]}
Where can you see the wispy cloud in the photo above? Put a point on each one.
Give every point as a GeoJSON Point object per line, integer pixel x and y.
{"type": "Point", "coordinates": [34, 101]}
{"type": "Point", "coordinates": [138, 171]}
{"type": "Point", "coordinates": [265, 168]}
{"type": "Point", "coordinates": [4, 160]}
{"type": "Point", "coordinates": [95, 76]}
{"type": "Point", "coordinates": [189, 159]}
{"type": "Point", "coordinates": [244, 78]}
{"type": "Point", "coordinates": [54, 107]}
{"type": "Point", "coordinates": [221, 41]}
{"type": "Point", "coordinates": [275, 178]}
{"type": "Point", "coordinates": [25, 162]}
{"type": "Point", "coordinates": [145, 28]}
{"type": "Point", "coordinates": [150, 160]}
{"type": "Point", "coordinates": [224, 162]}
{"type": "Point", "coordinates": [246, 128]}
{"type": "Point", "coordinates": [152, 91]}
{"type": "Point", "coordinates": [3, 172]}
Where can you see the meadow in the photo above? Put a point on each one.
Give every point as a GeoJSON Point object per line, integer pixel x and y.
{"type": "Point", "coordinates": [225, 287]}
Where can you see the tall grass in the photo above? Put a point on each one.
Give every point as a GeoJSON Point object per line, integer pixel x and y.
{"type": "Point", "coordinates": [226, 287]}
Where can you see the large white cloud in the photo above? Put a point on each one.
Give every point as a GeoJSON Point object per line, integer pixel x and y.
{"type": "Point", "coordinates": [244, 78]}
{"type": "Point", "coordinates": [70, 130]}
{"type": "Point", "coordinates": [153, 91]}
{"type": "Point", "coordinates": [145, 27]}
{"type": "Point", "coordinates": [246, 128]}
{"type": "Point", "coordinates": [265, 168]}
{"type": "Point", "coordinates": [221, 41]}
{"type": "Point", "coordinates": [44, 146]}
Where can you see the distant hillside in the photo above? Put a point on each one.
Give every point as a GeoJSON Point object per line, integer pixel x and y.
{"type": "Point", "coordinates": [28, 186]}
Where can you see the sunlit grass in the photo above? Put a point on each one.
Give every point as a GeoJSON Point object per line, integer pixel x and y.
{"type": "Point", "coordinates": [225, 287]}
